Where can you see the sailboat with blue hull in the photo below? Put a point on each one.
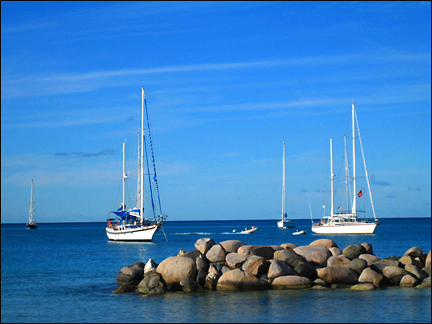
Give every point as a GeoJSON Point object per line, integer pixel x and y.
{"type": "Point", "coordinates": [132, 225]}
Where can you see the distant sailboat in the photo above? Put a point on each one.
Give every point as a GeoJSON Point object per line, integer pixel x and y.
{"type": "Point", "coordinates": [284, 222]}
{"type": "Point", "coordinates": [132, 226]}
{"type": "Point", "coordinates": [31, 223]}
{"type": "Point", "coordinates": [346, 222]}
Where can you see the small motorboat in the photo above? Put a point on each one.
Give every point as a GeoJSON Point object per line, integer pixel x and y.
{"type": "Point", "coordinates": [297, 232]}
{"type": "Point", "coordinates": [249, 230]}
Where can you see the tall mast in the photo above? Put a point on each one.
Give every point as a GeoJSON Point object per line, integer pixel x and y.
{"type": "Point", "coordinates": [346, 174]}
{"type": "Point", "coordinates": [138, 199]}
{"type": "Point", "coordinates": [141, 156]}
{"type": "Point", "coordinates": [283, 184]}
{"type": "Point", "coordinates": [354, 206]}
{"type": "Point", "coordinates": [332, 176]}
{"type": "Point", "coordinates": [31, 204]}
{"type": "Point", "coordinates": [124, 176]}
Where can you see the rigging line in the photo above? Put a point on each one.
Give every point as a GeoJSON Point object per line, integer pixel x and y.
{"type": "Point", "coordinates": [148, 173]}
{"type": "Point", "coordinates": [152, 152]}
{"type": "Point", "coordinates": [310, 208]}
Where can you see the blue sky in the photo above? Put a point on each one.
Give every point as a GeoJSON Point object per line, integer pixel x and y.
{"type": "Point", "coordinates": [226, 83]}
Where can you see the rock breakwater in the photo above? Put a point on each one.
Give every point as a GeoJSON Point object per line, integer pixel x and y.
{"type": "Point", "coordinates": [234, 265]}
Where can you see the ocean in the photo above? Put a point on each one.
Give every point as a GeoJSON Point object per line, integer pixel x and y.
{"type": "Point", "coordinates": [65, 272]}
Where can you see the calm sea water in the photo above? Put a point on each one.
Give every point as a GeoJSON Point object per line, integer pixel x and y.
{"type": "Point", "coordinates": [66, 273]}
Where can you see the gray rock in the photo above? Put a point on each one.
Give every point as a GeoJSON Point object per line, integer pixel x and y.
{"type": "Point", "coordinates": [379, 266]}
{"type": "Point", "coordinates": [353, 251]}
{"type": "Point", "coordinates": [416, 271]}
{"type": "Point", "coordinates": [370, 276]}
{"type": "Point", "coordinates": [368, 247]}
{"type": "Point", "coordinates": [288, 245]}
{"type": "Point", "coordinates": [427, 269]}
{"type": "Point", "coordinates": [335, 251]}
{"type": "Point", "coordinates": [152, 283]}
{"type": "Point", "coordinates": [211, 281]}
{"type": "Point", "coordinates": [357, 264]}
{"type": "Point", "coordinates": [133, 273]}
{"type": "Point", "coordinates": [265, 252]}
{"type": "Point", "coordinates": [202, 263]}
{"type": "Point", "coordinates": [305, 269]}
{"type": "Point", "coordinates": [125, 289]}
{"type": "Point", "coordinates": [394, 274]}
{"type": "Point", "coordinates": [188, 284]}
{"type": "Point", "coordinates": [369, 258]}
{"type": "Point", "coordinates": [325, 243]}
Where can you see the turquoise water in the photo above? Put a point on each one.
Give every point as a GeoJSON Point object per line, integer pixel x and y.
{"type": "Point", "coordinates": [66, 272]}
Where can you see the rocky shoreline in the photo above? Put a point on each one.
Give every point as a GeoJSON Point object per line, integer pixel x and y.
{"type": "Point", "coordinates": [234, 265]}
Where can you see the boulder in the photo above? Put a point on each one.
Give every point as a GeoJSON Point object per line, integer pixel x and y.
{"type": "Point", "coordinates": [182, 252]}
{"type": "Point", "coordinates": [363, 286]}
{"type": "Point", "coordinates": [194, 255]}
{"type": "Point", "coordinates": [291, 282]}
{"type": "Point", "coordinates": [128, 288]}
{"type": "Point", "coordinates": [315, 254]}
{"type": "Point", "coordinates": [357, 264]}
{"type": "Point", "coordinates": [325, 243]}
{"type": "Point", "coordinates": [133, 273]}
{"type": "Point", "coordinates": [150, 266]}
{"type": "Point", "coordinates": [216, 270]}
{"type": "Point", "coordinates": [289, 245]}
{"type": "Point", "coordinates": [379, 266]}
{"type": "Point", "coordinates": [201, 277]}
{"type": "Point", "coordinates": [409, 281]}
{"type": "Point", "coordinates": [353, 251]}
{"type": "Point", "coordinates": [152, 283]}
{"type": "Point", "coordinates": [415, 252]}
{"type": "Point", "coordinates": [369, 258]}
{"type": "Point", "coordinates": [368, 247]}
{"type": "Point", "coordinates": [204, 244]}
{"type": "Point", "coordinates": [241, 280]}
{"type": "Point", "coordinates": [406, 259]}
{"type": "Point", "coordinates": [188, 284]}
{"type": "Point", "coordinates": [427, 270]}
{"type": "Point", "coordinates": [305, 269]}
{"type": "Point", "coordinates": [279, 268]}
{"type": "Point", "coordinates": [175, 269]}
{"type": "Point", "coordinates": [416, 271]}
{"type": "Point", "coordinates": [231, 245]}
{"type": "Point", "coordinates": [428, 260]}
{"type": "Point", "coordinates": [394, 274]}
{"type": "Point", "coordinates": [235, 260]}
{"type": "Point", "coordinates": [202, 263]}
{"type": "Point", "coordinates": [216, 253]}
{"type": "Point", "coordinates": [338, 275]}
{"type": "Point", "coordinates": [337, 261]}
{"type": "Point", "coordinates": [256, 265]}
{"type": "Point", "coordinates": [211, 281]}
{"type": "Point", "coordinates": [263, 251]}
{"type": "Point", "coordinates": [289, 256]}
{"type": "Point", "coordinates": [335, 251]}
{"type": "Point", "coordinates": [370, 276]}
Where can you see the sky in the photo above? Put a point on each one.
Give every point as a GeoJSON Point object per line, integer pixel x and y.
{"type": "Point", "coordinates": [226, 83]}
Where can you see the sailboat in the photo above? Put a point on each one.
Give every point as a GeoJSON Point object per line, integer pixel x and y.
{"type": "Point", "coordinates": [31, 223]}
{"type": "Point", "coordinates": [132, 225]}
{"type": "Point", "coordinates": [347, 222]}
{"type": "Point", "coordinates": [284, 222]}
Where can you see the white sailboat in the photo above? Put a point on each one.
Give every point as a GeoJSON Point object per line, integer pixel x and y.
{"type": "Point", "coordinates": [31, 223]}
{"type": "Point", "coordinates": [347, 222]}
{"type": "Point", "coordinates": [284, 222]}
{"type": "Point", "coordinates": [132, 225]}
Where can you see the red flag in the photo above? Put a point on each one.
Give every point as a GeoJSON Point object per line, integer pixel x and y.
{"type": "Point", "coordinates": [360, 194]}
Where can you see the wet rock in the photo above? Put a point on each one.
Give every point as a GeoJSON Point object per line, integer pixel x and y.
{"type": "Point", "coordinates": [240, 280]}
{"type": "Point", "coordinates": [152, 283]}
{"type": "Point", "coordinates": [291, 282]}
{"type": "Point", "coordinates": [363, 286]}
{"type": "Point", "coordinates": [133, 273]}
{"type": "Point", "coordinates": [188, 284]}
{"type": "Point", "coordinates": [125, 289]}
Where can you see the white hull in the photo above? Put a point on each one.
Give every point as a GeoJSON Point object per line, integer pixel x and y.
{"type": "Point", "coordinates": [285, 224]}
{"type": "Point", "coordinates": [357, 228]}
{"type": "Point", "coordinates": [299, 233]}
{"type": "Point", "coordinates": [143, 233]}
{"type": "Point", "coordinates": [249, 231]}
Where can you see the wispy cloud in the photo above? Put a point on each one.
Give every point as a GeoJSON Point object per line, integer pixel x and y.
{"type": "Point", "coordinates": [86, 155]}
{"type": "Point", "coordinates": [374, 181]}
